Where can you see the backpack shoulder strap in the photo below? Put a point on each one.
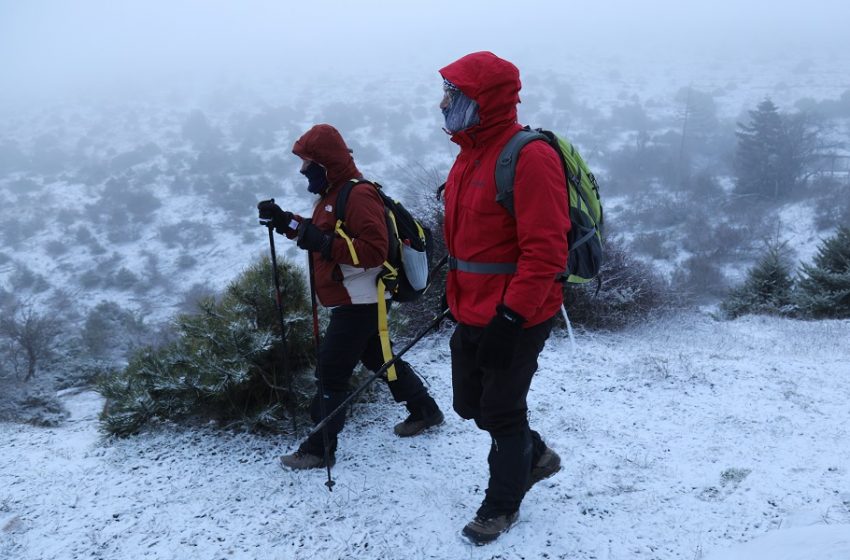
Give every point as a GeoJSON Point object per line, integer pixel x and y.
{"type": "Point", "coordinates": [506, 165]}
{"type": "Point", "coordinates": [345, 192]}
{"type": "Point", "coordinates": [341, 202]}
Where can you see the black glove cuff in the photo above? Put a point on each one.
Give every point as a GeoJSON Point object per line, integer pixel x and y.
{"type": "Point", "coordinates": [312, 238]}
{"type": "Point", "coordinates": [326, 247]}
{"type": "Point", "coordinates": [512, 317]}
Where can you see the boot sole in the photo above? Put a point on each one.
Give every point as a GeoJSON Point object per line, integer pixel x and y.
{"type": "Point", "coordinates": [478, 539]}
{"type": "Point", "coordinates": [439, 422]}
{"type": "Point", "coordinates": [286, 467]}
{"type": "Point", "coordinates": [548, 474]}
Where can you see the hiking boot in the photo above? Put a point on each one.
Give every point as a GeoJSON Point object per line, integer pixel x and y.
{"type": "Point", "coordinates": [416, 424]}
{"type": "Point", "coordinates": [548, 464]}
{"type": "Point", "coordinates": [483, 530]}
{"type": "Point", "coordinates": [301, 460]}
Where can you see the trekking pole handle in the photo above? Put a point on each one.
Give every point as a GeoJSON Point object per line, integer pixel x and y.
{"type": "Point", "coordinates": [383, 369]}
{"type": "Point", "coordinates": [267, 222]}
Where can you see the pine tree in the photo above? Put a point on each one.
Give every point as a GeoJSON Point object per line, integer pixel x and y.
{"type": "Point", "coordinates": [225, 365]}
{"type": "Point", "coordinates": [767, 289]}
{"type": "Point", "coordinates": [824, 288]}
{"type": "Point", "coordinates": [775, 152]}
{"type": "Point", "coordinates": [761, 158]}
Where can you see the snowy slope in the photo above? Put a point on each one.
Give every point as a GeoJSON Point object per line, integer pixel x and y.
{"type": "Point", "coordinates": [681, 439]}
{"type": "Point", "coordinates": [820, 542]}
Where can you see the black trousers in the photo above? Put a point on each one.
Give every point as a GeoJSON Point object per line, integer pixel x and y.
{"type": "Point", "coordinates": [352, 337]}
{"type": "Point", "coordinates": [496, 401]}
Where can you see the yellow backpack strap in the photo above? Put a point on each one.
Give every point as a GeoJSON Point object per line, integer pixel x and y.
{"type": "Point", "coordinates": [391, 273]}
{"type": "Point", "coordinates": [383, 330]}
{"type": "Point", "coordinates": [338, 229]}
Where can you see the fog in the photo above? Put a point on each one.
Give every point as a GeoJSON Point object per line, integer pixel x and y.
{"type": "Point", "coordinates": [137, 137]}
{"type": "Point", "coordinates": [54, 49]}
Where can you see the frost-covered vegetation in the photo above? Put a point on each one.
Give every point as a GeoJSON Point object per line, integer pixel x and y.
{"type": "Point", "coordinates": [118, 217]}
{"type": "Point", "coordinates": [821, 289]}
{"type": "Point", "coordinates": [228, 362]}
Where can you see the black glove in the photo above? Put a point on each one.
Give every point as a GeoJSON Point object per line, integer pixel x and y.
{"type": "Point", "coordinates": [312, 238]}
{"type": "Point", "coordinates": [500, 339]}
{"type": "Point", "coordinates": [271, 213]}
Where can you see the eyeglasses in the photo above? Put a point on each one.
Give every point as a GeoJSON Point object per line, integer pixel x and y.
{"type": "Point", "coordinates": [450, 93]}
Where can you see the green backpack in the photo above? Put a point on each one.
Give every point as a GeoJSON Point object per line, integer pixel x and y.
{"type": "Point", "coordinates": [585, 236]}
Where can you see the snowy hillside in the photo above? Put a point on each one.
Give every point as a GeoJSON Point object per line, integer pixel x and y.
{"type": "Point", "coordinates": [681, 440]}
{"type": "Point", "coordinates": [148, 199]}
{"type": "Point", "coordinates": [137, 137]}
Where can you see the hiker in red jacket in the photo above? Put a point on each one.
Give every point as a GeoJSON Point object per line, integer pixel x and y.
{"type": "Point", "coordinates": [349, 289]}
{"type": "Point", "coordinates": [501, 284]}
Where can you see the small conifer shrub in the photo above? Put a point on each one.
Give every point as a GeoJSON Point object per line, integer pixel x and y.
{"type": "Point", "coordinates": [767, 290]}
{"type": "Point", "coordinates": [226, 363]}
{"type": "Point", "coordinates": [824, 286]}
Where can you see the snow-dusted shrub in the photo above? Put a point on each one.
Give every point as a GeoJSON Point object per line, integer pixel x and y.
{"type": "Point", "coordinates": [832, 206]}
{"type": "Point", "coordinates": [637, 167]}
{"type": "Point", "coordinates": [654, 244]}
{"type": "Point", "coordinates": [699, 278]}
{"type": "Point", "coordinates": [658, 209]}
{"type": "Point", "coordinates": [628, 292]}
{"type": "Point", "coordinates": [110, 332]}
{"type": "Point", "coordinates": [824, 286]}
{"type": "Point", "coordinates": [767, 289]}
{"type": "Point", "coordinates": [30, 402]}
{"type": "Point", "coordinates": [226, 362]}
{"type": "Point", "coordinates": [27, 337]}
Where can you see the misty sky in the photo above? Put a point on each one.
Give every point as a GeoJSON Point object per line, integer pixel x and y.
{"type": "Point", "coordinates": [55, 47]}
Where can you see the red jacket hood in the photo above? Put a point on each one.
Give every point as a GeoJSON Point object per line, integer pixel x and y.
{"type": "Point", "coordinates": [324, 145]}
{"type": "Point", "coordinates": [490, 81]}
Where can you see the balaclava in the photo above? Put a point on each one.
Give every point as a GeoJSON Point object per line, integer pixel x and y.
{"type": "Point", "coordinates": [461, 112]}
{"type": "Point", "coordinates": [317, 178]}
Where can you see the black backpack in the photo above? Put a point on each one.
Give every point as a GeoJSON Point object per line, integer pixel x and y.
{"type": "Point", "coordinates": [408, 263]}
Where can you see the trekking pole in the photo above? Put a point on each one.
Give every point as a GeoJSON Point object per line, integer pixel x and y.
{"type": "Point", "coordinates": [440, 264]}
{"type": "Point", "coordinates": [383, 369]}
{"type": "Point", "coordinates": [321, 396]}
{"type": "Point", "coordinates": [569, 329]}
{"type": "Point", "coordinates": [279, 303]}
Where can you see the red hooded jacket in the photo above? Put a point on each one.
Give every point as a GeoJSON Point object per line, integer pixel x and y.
{"type": "Point", "coordinates": [479, 229]}
{"type": "Point", "coordinates": [339, 281]}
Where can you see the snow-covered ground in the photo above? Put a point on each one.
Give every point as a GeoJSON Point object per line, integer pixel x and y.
{"type": "Point", "coordinates": [682, 439]}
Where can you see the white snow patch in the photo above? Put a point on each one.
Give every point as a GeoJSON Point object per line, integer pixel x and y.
{"type": "Point", "coordinates": [819, 542]}
{"type": "Point", "coordinates": [679, 439]}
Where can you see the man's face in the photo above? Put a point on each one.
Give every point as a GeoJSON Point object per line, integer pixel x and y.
{"type": "Point", "coordinates": [304, 164]}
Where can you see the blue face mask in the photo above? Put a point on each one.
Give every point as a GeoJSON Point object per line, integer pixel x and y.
{"type": "Point", "coordinates": [317, 178]}
{"type": "Point", "coordinates": [461, 112]}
